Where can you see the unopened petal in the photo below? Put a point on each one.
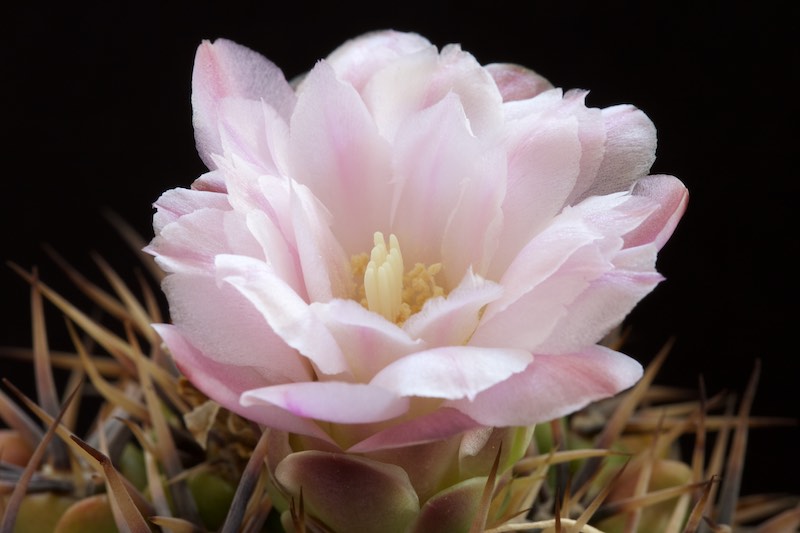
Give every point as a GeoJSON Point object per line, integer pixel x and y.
{"type": "Point", "coordinates": [453, 509]}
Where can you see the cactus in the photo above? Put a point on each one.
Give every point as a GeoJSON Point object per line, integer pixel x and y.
{"type": "Point", "coordinates": [162, 457]}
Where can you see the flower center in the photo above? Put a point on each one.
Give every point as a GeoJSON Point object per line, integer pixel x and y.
{"type": "Point", "coordinates": [388, 290]}
{"type": "Point", "coordinates": [383, 279]}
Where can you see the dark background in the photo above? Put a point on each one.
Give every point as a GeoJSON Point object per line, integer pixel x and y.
{"type": "Point", "coordinates": [97, 115]}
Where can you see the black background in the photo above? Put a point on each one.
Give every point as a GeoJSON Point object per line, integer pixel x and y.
{"type": "Point", "coordinates": [96, 114]}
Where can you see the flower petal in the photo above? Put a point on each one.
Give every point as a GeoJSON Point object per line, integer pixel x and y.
{"type": "Point", "coordinates": [331, 401]}
{"type": "Point", "coordinates": [303, 224]}
{"type": "Point", "coordinates": [358, 59]}
{"type": "Point", "coordinates": [477, 217]}
{"type": "Point", "coordinates": [326, 268]}
{"type": "Point", "coordinates": [296, 225]}
{"type": "Point", "coordinates": [285, 312]}
{"type": "Point", "coordinates": [259, 142]}
{"type": "Point", "coordinates": [671, 196]}
{"type": "Point", "coordinates": [452, 320]}
{"type": "Point", "coordinates": [225, 383]}
{"type": "Point", "coordinates": [555, 145]}
{"type": "Point", "coordinates": [599, 308]}
{"type": "Point", "coordinates": [544, 154]}
{"type": "Point", "coordinates": [419, 80]}
{"type": "Point", "coordinates": [367, 340]}
{"type": "Point", "coordinates": [441, 171]}
{"type": "Point", "coordinates": [227, 329]}
{"type": "Point", "coordinates": [547, 274]}
{"type": "Point", "coordinates": [630, 151]}
{"type": "Point", "coordinates": [191, 243]}
{"type": "Point", "coordinates": [280, 256]}
{"type": "Point", "coordinates": [451, 372]}
{"type": "Point", "coordinates": [553, 386]}
{"type": "Point", "coordinates": [556, 268]}
{"type": "Point", "coordinates": [225, 69]}
{"type": "Point", "coordinates": [516, 82]}
{"type": "Point", "coordinates": [175, 203]}
{"type": "Point", "coordinates": [211, 181]}
{"type": "Point", "coordinates": [250, 190]}
{"type": "Point", "coordinates": [336, 151]}
{"type": "Point", "coordinates": [265, 203]}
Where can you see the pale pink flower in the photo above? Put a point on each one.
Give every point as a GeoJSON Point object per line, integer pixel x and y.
{"type": "Point", "coordinates": [526, 222]}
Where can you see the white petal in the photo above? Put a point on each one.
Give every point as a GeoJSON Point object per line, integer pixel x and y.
{"type": "Point", "coordinates": [599, 308]}
{"type": "Point", "coordinates": [225, 383]}
{"type": "Point", "coordinates": [451, 372]}
{"type": "Point", "coordinates": [227, 329]}
{"type": "Point", "coordinates": [253, 131]}
{"type": "Point", "coordinates": [629, 152]}
{"type": "Point", "coordinates": [336, 151]}
{"type": "Point", "coordinates": [452, 320]}
{"type": "Point", "coordinates": [358, 59]}
{"type": "Point", "coordinates": [442, 172]}
{"type": "Point", "coordinates": [367, 340]}
{"type": "Point", "coordinates": [417, 81]}
{"type": "Point", "coordinates": [175, 203]}
{"type": "Point", "coordinates": [224, 69]}
{"type": "Point", "coordinates": [331, 401]}
{"type": "Point", "coordinates": [554, 146]}
{"type": "Point", "coordinates": [193, 241]}
{"type": "Point", "coordinates": [553, 386]}
{"type": "Point", "coordinates": [326, 268]}
{"type": "Point", "coordinates": [285, 312]}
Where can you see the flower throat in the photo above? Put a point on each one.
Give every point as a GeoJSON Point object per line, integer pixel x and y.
{"type": "Point", "coordinates": [387, 289]}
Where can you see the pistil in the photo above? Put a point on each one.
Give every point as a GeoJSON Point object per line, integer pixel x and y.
{"type": "Point", "coordinates": [383, 277]}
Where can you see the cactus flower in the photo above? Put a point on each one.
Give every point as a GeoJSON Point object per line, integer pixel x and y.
{"type": "Point", "coordinates": [405, 246]}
